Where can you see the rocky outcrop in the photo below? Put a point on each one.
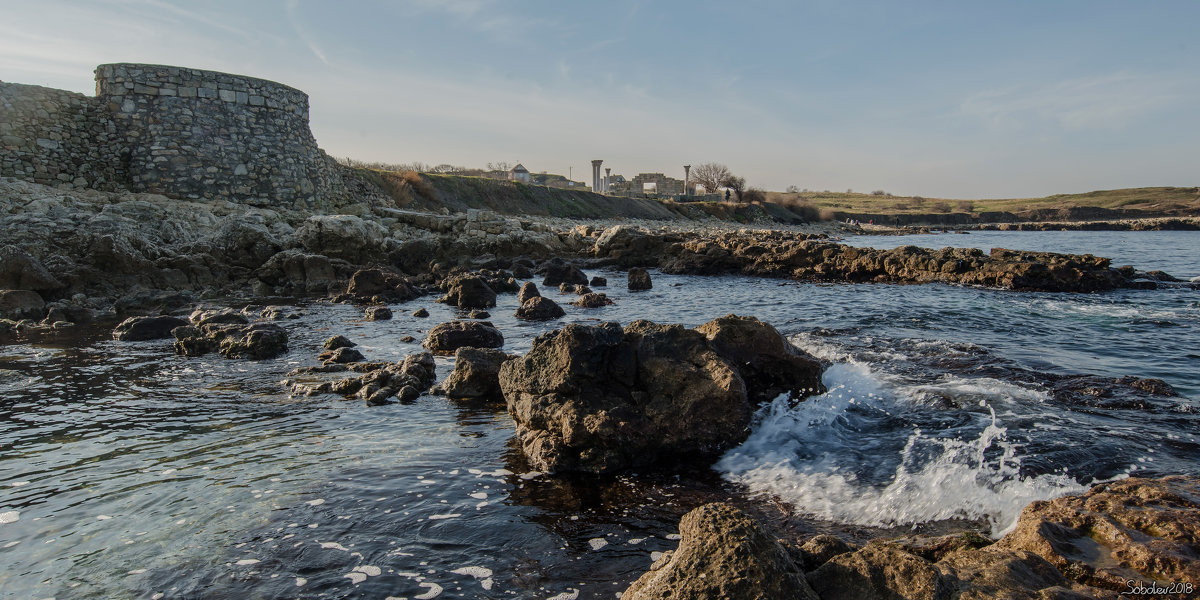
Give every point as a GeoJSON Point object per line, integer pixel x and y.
{"type": "Point", "coordinates": [20, 271]}
{"type": "Point", "coordinates": [469, 291]}
{"type": "Point", "coordinates": [723, 553]}
{"type": "Point", "coordinates": [476, 374]}
{"type": "Point", "coordinates": [1143, 529]}
{"type": "Point", "coordinates": [539, 308]}
{"type": "Point", "coordinates": [147, 328]}
{"type": "Point", "coordinates": [445, 338]}
{"type": "Point", "coordinates": [341, 355]}
{"type": "Point", "coordinates": [255, 341]}
{"type": "Point", "coordinates": [21, 304]}
{"type": "Point", "coordinates": [605, 398]}
{"type": "Point", "coordinates": [347, 237]}
{"type": "Point", "coordinates": [639, 279]}
{"type": "Point", "coordinates": [337, 341]}
{"type": "Point", "coordinates": [297, 271]}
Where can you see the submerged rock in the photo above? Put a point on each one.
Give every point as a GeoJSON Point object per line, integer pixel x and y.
{"type": "Point", "coordinates": [723, 553]}
{"type": "Point", "coordinates": [539, 308]}
{"type": "Point", "coordinates": [592, 300]}
{"type": "Point", "coordinates": [558, 273]}
{"type": "Point", "coordinates": [256, 341]}
{"type": "Point", "coordinates": [341, 355]}
{"type": "Point", "coordinates": [378, 383]}
{"type": "Point", "coordinates": [599, 281]}
{"type": "Point", "coordinates": [338, 341]}
{"type": "Point", "coordinates": [377, 313]}
{"type": "Point", "coordinates": [147, 328]}
{"type": "Point", "coordinates": [445, 338]}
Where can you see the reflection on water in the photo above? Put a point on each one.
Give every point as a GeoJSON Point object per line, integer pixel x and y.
{"type": "Point", "coordinates": [128, 471]}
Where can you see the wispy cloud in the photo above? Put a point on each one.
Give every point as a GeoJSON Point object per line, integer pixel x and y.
{"type": "Point", "coordinates": [303, 34]}
{"type": "Point", "coordinates": [502, 21]}
{"type": "Point", "coordinates": [1111, 101]}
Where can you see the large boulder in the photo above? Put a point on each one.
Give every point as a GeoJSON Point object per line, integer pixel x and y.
{"type": "Point", "coordinates": [297, 270]}
{"type": "Point", "coordinates": [255, 341]}
{"type": "Point", "coordinates": [769, 363]}
{"type": "Point", "coordinates": [601, 398]}
{"type": "Point", "coordinates": [476, 374]}
{"type": "Point", "coordinates": [244, 243]}
{"type": "Point", "coordinates": [880, 571]}
{"type": "Point", "coordinates": [469, 291]}
{"type": "Point", "coordinates": [1136, 528]}
{"type": "Point", "coordinates": [723, 553]}
{"type": "Point", "coordinates": [147, 328]}
{"type": "Point", "coordinates": [21, 304]}
{"type": "Point", "coordinates": [639, 279]}
{"type": "Point", "coordinates": [539, 308]}
{"type": "Point", "coordinates": [21, 271]}
{"type": "Point", "coordinates": [445, 338]}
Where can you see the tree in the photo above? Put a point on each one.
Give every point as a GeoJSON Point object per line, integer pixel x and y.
{"type": "Point", "coordinates": [793, 189]}
{"type": "Point", "coordinates": [735, 183]}
{"type": "Point", "coordinates": [710, 175]}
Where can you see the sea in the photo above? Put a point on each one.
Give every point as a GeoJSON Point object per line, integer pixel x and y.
{"type": "Point", "coordinates": [129, 472]}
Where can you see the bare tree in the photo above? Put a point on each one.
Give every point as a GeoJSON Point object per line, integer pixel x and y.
{"type": "Point", "coordinates": [710, 175]}
{"type": "Point", "coordinates": [735, 183]}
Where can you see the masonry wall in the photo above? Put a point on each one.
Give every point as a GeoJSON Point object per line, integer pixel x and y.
{"type": "Point", "coordinates": [180, 132]}
{"type": "Point", "coordinates": [54, 137]}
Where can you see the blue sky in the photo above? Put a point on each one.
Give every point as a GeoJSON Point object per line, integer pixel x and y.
{"type": "Point", "coordinates": [953, 99]}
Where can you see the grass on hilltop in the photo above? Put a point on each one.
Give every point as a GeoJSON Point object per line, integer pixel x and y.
{"type": "Point", "coordinates": [1170, 200]}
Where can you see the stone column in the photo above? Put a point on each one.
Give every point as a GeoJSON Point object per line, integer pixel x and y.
{"type": "Point", "coordinates": [596, 175]}
{"type": "Point", "coordinates": [687, 173]}
{"type": "Point", "coordinates": [607, 175]}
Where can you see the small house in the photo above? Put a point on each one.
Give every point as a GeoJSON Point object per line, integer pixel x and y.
{"type": "Point", "coordinates": [519, 173]}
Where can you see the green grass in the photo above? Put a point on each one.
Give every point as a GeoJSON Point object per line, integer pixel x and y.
{"type": "Point", "coordinates": [1156, 199]}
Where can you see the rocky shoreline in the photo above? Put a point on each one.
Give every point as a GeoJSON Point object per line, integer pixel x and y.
{"type": "Point", "coordinates": [75, 256]}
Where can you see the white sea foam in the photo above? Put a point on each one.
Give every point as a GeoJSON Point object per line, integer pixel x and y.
{"type": "Point", "coordinates": [434, 591]}
{"type": "Point", "coordinates": [10, 516]}
{"type": "Point", "coordinates": [597, 543]}
{"type": "Point", "coordinates": [803, 454]}
{"type": "Point", "coordinates": [444, 516]}
{"type": "Point", "coordinates": [568, 595]}
{"type": "Point", "coordinates": [476, 572]}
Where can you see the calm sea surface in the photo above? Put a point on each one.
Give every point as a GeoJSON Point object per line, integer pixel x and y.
{"type": "Point", "coordinates": [129, 472]}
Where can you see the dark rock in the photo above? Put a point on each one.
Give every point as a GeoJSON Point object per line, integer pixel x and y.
{"type": "Point", "coordinates": [378, 313]}
{"type": "Point", "coordinates": [600, 399]}
{"type": "Point", "coordinates": [338, 341]}
{"type": "Point", "coordinates": [599, 281]}
{"type": "Point", "coordinates": [592, 300]}
{"type": "Point", "coordinates": [539, 308]}
{"type": "Point", "coordinates": [479, 314]}
{"type": "Point", "coordinates": [21, 271]}
{"type": "Point", "coordinates": [445, 338]}
{"type": "Point", "coordinates": [408, 393]}
{"type": "Point", "coordinates": [580, 290]}
{"type": "Point", "coordinates": [639, 279]}
{"type": "Point", "coordinates": [769, 363]}
{"type": "Point", "coordinates": [408, 339]}
{"type": "Point", "coordinates": [21, 304]}
{"type": "Point", "coordinates": [147, 328]}
{"type": "Point", "coordinates": [257, 341]}
{"type": "Point", "coordinates": [420, 313]}
{"type": "Point", "coordinates": [476, 374]}
{"type": "Point", "coordinates": [522, 272]}
{"type": "Point", "coordinates": [723, 553]}
{"type": "Point", "coordinates": [528, 290]}
{"type": "Point", "coordinates": [342, 355]}
{"type": "Point", "coordinates": [368, 284]}
{"type": "Point", "coordinates": [566, 288]}
{"type": "Point", "coordinates": [296, 270]}
{"type": "Point", "coordinates": [558, 273]}
{"type": "Point", "coordinates": [469, 292]}
{"type": "Point", "coordinates": [379, 381]}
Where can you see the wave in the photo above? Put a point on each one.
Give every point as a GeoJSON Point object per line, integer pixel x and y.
{"type": "Point", "coordinates": [839, 456]}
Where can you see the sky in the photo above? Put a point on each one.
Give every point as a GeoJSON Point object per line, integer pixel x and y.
{"type": "Point", "coordinates": [956, 98]}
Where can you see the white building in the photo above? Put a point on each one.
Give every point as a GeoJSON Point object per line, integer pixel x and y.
{"type": "Point", "coordinates": [519, 173]}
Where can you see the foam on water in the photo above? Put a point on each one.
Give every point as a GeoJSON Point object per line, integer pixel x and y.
{"type": "Point", "coordinates": [810, 455]}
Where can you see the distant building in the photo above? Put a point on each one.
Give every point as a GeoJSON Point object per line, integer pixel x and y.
{"type": "Point", "coordinates": [647, 184]}
{"type": "Point", "coordinates": [519, 173]}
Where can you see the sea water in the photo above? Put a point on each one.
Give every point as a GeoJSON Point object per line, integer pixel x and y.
{"type": "Point", "coordinates": [127, 471]}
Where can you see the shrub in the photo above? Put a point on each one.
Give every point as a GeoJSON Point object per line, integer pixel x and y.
{"type": "Point", "coordinates": [941, 206]}
{"type": "Point", "coordinates": [965, 205]}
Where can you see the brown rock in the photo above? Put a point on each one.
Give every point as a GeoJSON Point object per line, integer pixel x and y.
{"type": "Point", "coordinates": [592, 300]}
{"type": "Point", "coordinates": [769, 363]}
{"type": "Point", "coordinates": [338, 341]}
{"type": "Point", "coordinates": [639, 279]}
{"type": "Point", "coordinates": [539, 308]}
{"type": "Point", "coordinates": [476, 374]}
{"type": "Point", "coordinates": [723, 553]}
{"type": "Point", "coordinates": [21, 304]}
{"type": "Point", "coordinates": [880, 570]}
{"type": "Point", "coordinates": [377, 313]}
{"type": "Point", "coordinates": [559, 272]}
{"type": "Point", "coordinates": [1131, 529]}
{"type": "Point", "coordinates": [528, 290]}
{"type": "Point", "coordinates": [445, 338]}
{"type": "Point", "coordinates": [469, 291]}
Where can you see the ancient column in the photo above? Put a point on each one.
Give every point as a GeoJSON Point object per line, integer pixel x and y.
{"type": "Point", "coordinates": [596, 175]}
{"type": "Point", "coordinates": [687, 173]}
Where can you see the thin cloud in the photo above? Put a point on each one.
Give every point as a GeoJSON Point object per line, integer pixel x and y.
{"type": "Point", "coordinates": [1104, 102]}
{"type": "Point", "coordinates": [303, 34]}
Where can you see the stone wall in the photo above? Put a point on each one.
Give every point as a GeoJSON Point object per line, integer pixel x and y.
{"type": "Point", "coordinates": [179, 132]}
{"type": "Point", "coordinates": [54, 137]}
